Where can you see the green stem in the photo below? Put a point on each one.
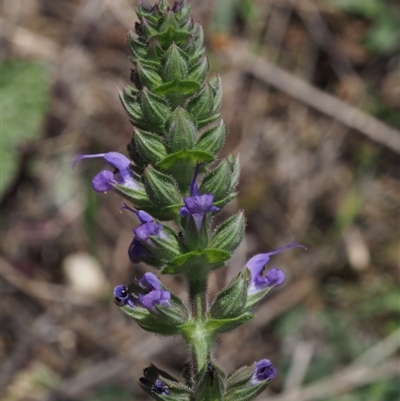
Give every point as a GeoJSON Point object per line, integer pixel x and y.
{"type": "Point", "coordinates": [198, 298]}
{"type": "Point", "coordinates": [198, 342]}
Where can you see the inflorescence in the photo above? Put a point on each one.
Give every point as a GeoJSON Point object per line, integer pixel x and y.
{"type": "Point", "coordinates": [178, 132]}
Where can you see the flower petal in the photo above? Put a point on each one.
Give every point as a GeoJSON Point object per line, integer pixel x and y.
{"type": "Point", "coordinates": [81, 157]}
{"type": "Point", "coordinates": [264, 370]}
{"type": "Point", "coordinates": [117, 160]}
{"type": "Point", "coordinates": [122, 297]}
{"type": "Point", "coordinates": [102, 182]}
{"type": "Point", "coordinates": [150, 282]}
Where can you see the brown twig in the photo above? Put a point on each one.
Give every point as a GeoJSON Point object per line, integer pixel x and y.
{"type": "Point", "coordinates": [313, 97]}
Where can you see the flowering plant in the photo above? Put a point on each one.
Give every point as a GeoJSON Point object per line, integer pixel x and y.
{"type": "Point", "coordinates": [177, 134]}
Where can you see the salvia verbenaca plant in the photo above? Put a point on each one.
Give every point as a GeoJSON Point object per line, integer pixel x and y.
{"type": "Point", "coordinates": [177, 134]}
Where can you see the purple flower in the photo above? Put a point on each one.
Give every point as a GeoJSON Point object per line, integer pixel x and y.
{"type": "Point", "coordinates": [155, 295]}
{"type": "Point", "coordinates": [274, 277]}
{"type": "Point", "coordinates": [197, 205]}
{"type": "Point", "coordinates": [122, 297]}
{"type": "Point", "coordinates": [264, 370]}
{"type": "Point", "coordinates": [137, 250]}
{"type": "Point", "coordinates": [105, 181]}
{"type": "Point", "coordinates": [144, 231]}
{"type": "Point", "coordinates": [159, 387]}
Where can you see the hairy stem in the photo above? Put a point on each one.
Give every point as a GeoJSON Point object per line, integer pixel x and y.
{"type": "Point", "coordinates": [199, 342]}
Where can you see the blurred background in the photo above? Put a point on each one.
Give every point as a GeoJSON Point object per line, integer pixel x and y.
{"type": "Point", "coordinates": [312, 101]}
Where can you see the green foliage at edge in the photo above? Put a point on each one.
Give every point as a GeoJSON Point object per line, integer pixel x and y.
{"type": "Point", "coordinates": [24, 87]}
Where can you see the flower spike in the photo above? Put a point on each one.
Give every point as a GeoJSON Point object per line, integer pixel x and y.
{"type": "Point", "coordinates": [178, 130]}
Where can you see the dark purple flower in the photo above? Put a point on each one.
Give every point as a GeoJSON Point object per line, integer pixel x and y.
{"type": "Point", "coordinates": [122, 297]}
{"type": "Point", "coordinates": [197, 205]}
{"type": "Point", "coordinates": [273, 277]}
{"type": "Point", "coordinates": [160, 388]}
{"type": "Point", "coordinates": [264, 370]}
{"type": "Point", "coordinates": [105, 181]}
{"type": "Point", "coordinates": [144, 231]}
{"type": "Point", "coordinates": [137, 251]}
{"type": "Point", "coordinates": [155, 294]}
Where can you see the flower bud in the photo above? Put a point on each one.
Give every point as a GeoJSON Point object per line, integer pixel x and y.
{"type": "Point", "coordinates": [181, 130]}
{"type": "Point", "coordinates": [201, 106]}
{"type": "Point", "coordinates": [198, 71]}
{"type": "Point", "coordinates": [219, 181]}
{"type": "Point", "coordinates": [147, 76]}
{"type": "Point", "coordinates": [149, 146]}
{"type": "Point", "coordinates": [155, 109]}
{"type": "Point", "coordinates": [175, 67]}
{"type": "Point", "coordinates": [213, 139]}
{"type": "Point", "coordinates": [216, 84]}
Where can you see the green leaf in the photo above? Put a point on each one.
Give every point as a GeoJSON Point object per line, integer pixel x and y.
{"type": "Point", "coordinates": [24, 101]}
{"type": "Point", "coordinates": [151, 321]}
{"type": "Point", "coordinates": [206, 259]}
{"type": "Point", "coordinates": [225, 325]}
